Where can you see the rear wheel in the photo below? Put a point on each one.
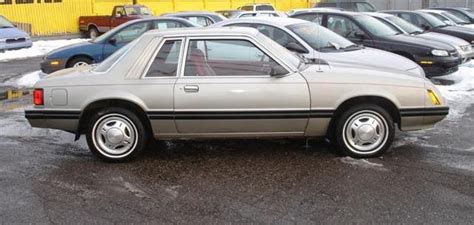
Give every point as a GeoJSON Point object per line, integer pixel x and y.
{"type": "Point", "coordinates": [365, 131]}
{"type": "Point", "coordinates": [93, 32]}
{"type": "Point", "coordinates": [116, 135]}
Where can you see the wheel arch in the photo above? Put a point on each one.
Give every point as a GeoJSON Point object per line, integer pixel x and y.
{"type": "Point", "coordinates": [96, 106]}
{"type": "Point", "coordinates": [69, 60]}
{"type": "Point", "coordinates": [381, 101]}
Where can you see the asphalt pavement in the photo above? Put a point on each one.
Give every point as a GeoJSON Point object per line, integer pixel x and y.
{"type": "Point", "coordinates": [46, 177]}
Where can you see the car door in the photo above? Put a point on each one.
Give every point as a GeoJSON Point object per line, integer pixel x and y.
{"type": "Point", "coordinates": [246, 92]}
{"type": "Point", "coordinates": [123, 37]}
{"type": "Point", "coordinates": [345, 27]}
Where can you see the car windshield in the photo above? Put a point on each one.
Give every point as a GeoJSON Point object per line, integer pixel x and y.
{"type": "Point", "coordinates": [374, 26]}
{"type": "Point", "coordinates": [4, 23]}
{"type": "Point", "coordinates": [112, 59]}
{"type": "Point", "coordinates": [138, 11]}
{"type": "Point", "coordinates": [404, 25]}
{"type": "Point", "coordinates": [319, 37]}
{"type": "Point", "coordinates": [454, 18]}
{"type": "Point", "coordinates": [433, 21]}
{"type": "Point", "coordinates": [291, 58]}
{"type": "Point", "coordinates": [110, 33]}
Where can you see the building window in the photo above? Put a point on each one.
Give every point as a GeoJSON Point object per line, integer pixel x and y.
{"type": "Point", "coordinates": [23, 1]}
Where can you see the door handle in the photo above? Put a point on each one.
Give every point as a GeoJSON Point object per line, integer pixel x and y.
{"type": "Point", "coordinates": [191, 88]}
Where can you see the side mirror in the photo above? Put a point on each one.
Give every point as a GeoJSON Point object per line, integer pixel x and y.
{"type": "Point", "coordinates": [113, 41]}
{"type": "Point", "coordinates": [294, 47]}
{"type": "Point", "coordinates": [426, 27]}
{"type": "Point", "coordinates": [361, 35]}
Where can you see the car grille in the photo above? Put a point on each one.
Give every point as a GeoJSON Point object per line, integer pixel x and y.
{"type": "Point", "coordinates": [15, 40]}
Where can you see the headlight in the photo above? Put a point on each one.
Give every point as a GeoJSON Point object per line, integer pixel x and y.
{"type": "Point", "coordinates": [437, 52]}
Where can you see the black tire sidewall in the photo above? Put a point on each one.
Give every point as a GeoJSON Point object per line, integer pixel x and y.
{"type": "Point", "coordinates": [142, 136]}
{"type": "Point", "coordinates": [354, 110]}
{"type": "Point", "coordinates": [93, 29]}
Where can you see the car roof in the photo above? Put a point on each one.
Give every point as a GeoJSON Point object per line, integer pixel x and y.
{"type": "Point", "coordinates": [200, 31]}
{"type": "Point", "coordinates": [276, 21]}
{"type": "Point", "coordinates": [378, 14]}
{"type": "Point", "coordinates": [255, 4]}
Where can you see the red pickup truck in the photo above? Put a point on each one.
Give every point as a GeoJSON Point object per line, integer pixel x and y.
{"type": "Point", "coordinates": [96, 25]}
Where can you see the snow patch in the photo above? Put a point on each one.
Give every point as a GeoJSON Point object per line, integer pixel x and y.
{"type": "Point", "coordinates": [460, 94]}
{"type": "Point", "coordinates": [364, 163]}
{"type": "Point", "coordinates": [29, 80]}
{"type": "Point", "coordinates": [39, 48]}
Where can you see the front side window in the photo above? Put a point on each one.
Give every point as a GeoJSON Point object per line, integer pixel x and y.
{"type": "Point", "coordinates": [374, 26]}
{"type": "Point", "coordinates": [131, 32]}
{"type": "Point", "coordinates": [343, 26]}
{"type": "Point", "coordinates": [404, 25]}
{"type": "Point", "coordinates": [163, 25]}
{"type": "Point", "coordinates": [430, 20]}
{"type": "Point", "coordinates": [311, 17]}
{"type": "Point", "coordinates": [460, 15]}
{"type": "Point", "coordinates": [119, 12]}
{"type": "Point", "coordinates": [365, 7]}
{"type": "Point", "coordinates": [229, 58]}
{"type": "Point", "coordinates": [137, 10]}
{"type": "Point", "coordinates": [203, 21]}
{"type": "Point", "coordinates": [165, 63]}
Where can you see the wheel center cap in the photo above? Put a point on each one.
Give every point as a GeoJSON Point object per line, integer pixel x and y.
{"type": "Point", "coordinates": [114, 135]}
{"type": "Point", "coordinates": [366, 132]}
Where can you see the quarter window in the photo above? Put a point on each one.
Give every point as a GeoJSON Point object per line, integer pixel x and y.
{"type": "Point", "coordinates": [165, 63]}
{"type": "Point", "coordinates": [229, 58]}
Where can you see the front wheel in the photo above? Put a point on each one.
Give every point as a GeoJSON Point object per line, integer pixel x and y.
{"type": "Point", "coordinates": [116, 135]}
{"type": "Point", "coordinates": [365, 131]}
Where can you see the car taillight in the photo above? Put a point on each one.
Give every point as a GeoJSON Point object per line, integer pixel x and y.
{"type": "Point", "coordinates": [38, 97]}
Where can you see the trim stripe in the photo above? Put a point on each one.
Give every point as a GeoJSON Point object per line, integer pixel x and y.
{"type": "Point", "coordinates": [432, 111]}
{"type": "Point", "coordinates": [208, 115]}
{"type": "Point", "coordinates": [50, 114]}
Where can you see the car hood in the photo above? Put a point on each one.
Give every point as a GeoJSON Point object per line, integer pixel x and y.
{"type": "Point", "coordinates": [410, 40]}
{"type": "Point", "coordinates": [458, 29]}
{"type": "Point", "coordinates": [448, 39]}
{"type": "Point", "coordinates": [12, 33]}
{"type": "Point", "coordinates": [77, 48]}
{"type": "Point", "coordinates": [371, 57]}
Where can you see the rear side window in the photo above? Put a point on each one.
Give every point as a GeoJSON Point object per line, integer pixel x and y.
{"type": "Point", "coordinates": [312, 17]}
{"type": "Point", "coordinates": [163, 25]}
{"type": "Point", "coordinates": [165, 63]}
{"type": "Point", "coordinates": [212, 58]}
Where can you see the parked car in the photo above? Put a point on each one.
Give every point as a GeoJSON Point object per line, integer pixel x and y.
{"type": "Point", "coordinates": [257, 7]}
{"type": "Point", "coordinates": [202, 18]}
{"type": "Point", "coordinates": [316, 42]}
{"type": "Point", "coordinates": [428, 22]}
{"type": "Point", "coordinates": [96, 50]}
{"type": "Point", "coordinates": [11, 37]}
{"type": "Point", "coordinates": [448, 18]}
{"type": "Point", "coordinates": [185, 84]}
{"type": "Point", "coordinates": [229, 13]}
{"type": "Point", "coordinates": [96, 25]}
{"type": "Point", "coordinates": [436, 58]}
{"type": "Point", "coordinates": [351, 5]}
{"type": "Point", "coordinates": [464, 48]}
{"type": "Point", "coordinates": [463, 13]}
{"type": "Point", "coordinates": [244, 14]}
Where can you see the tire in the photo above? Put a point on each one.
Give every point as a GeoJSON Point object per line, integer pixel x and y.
{"type": "Point", "coordinates": [116, 135]}
{"type": "Point", "coordinates": [79, 61]}
{"type": "Point", "coordinates": [364, 131]}
{"type": "Point", "coordinates": [93, 32]}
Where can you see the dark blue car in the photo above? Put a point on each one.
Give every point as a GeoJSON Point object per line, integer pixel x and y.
{"type": "Point", "coordinates": [95, 51]}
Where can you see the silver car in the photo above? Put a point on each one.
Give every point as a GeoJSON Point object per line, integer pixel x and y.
{"type": "Point", "coordinates": [314, 41]}
{"type": "Point", "coordinates": [229, 83]}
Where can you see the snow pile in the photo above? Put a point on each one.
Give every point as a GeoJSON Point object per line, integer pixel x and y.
{"type": "Point", "coordinates": [460, 94]}
{"type": "Point", "coordinates": [364, 163]}
{"type": "Point", "coordinates": [29, 80]}
{"type": "Point", "coordinates": [39, 48]}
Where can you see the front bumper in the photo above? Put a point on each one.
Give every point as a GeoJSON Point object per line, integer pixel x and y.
{"type": "Point", "coordinates": [47, 66]}
{"type": "Point", "coordinates": [439, 66]}
{"type": "Point", "coordinates": [422, 118]}
{"type": "Point", "coordinates": [16, 45]}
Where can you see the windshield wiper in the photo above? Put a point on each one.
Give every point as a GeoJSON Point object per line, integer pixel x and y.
{"type": "Point", "coordinates": [416, 32]}
{"type": "Point", "coordinates": [6, 27]}
{"type": "Point", "coordinates": [353, 46]}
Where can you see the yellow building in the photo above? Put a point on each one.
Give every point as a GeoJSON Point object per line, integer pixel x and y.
{"type": "Point", "coordinates": [49, 17]}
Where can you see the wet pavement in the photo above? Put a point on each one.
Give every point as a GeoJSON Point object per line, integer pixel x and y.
{"type": "Point", "coordinates": [46, 177]}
